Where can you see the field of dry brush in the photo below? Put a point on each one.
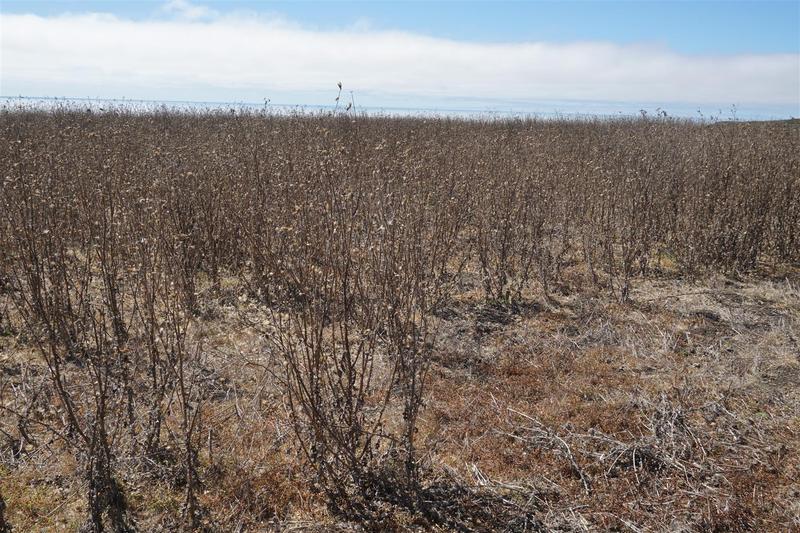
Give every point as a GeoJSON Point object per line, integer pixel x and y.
{"type": "Point", "coordinates": [248, 322]}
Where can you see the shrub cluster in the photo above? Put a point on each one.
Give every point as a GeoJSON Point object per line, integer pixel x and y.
{"type": "Point", "coordinates": [351, 231]}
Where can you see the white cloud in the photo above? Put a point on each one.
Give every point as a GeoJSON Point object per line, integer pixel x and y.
{"type": "Point", "coordinates": [238, 54]}
{"type": "Point", "coordinates": [188, 11]}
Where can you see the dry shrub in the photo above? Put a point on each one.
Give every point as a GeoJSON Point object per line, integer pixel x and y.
{"type": "Point", "coordinates": [351, 233]}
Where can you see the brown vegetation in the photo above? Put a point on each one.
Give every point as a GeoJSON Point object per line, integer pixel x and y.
{"type": "Point", "coordinates": [253, 322]}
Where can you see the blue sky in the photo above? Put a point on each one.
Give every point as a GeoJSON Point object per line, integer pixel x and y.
{"type": "Point", "coordinates": [684, 26]}
{"type": "Point", "coordinates": [537, 56]}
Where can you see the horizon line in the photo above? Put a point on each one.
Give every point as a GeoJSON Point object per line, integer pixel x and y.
{"type": "Point", "coordinates": [654, 112]}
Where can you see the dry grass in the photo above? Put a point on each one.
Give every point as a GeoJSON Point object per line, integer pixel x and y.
{"type": "Point", "coordinates": [258, 323]}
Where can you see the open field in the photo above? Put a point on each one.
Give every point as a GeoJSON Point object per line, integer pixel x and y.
{"type": "Point", "coordinates": [231, 322]}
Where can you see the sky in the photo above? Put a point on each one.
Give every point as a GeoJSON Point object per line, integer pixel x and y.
{"type": "Point", "coordinates": [711, 57]}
